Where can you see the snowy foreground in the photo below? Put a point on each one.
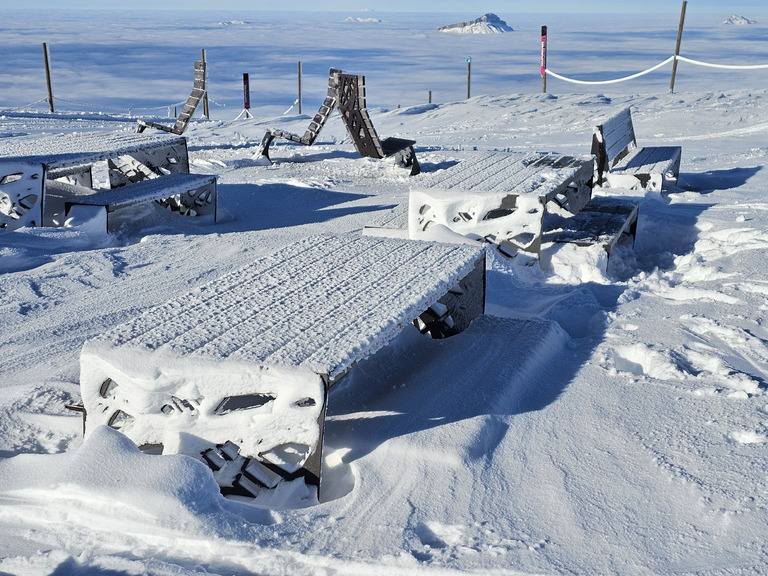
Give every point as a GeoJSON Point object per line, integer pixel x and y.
{"type": "Point", "coordinates": [589, 423]}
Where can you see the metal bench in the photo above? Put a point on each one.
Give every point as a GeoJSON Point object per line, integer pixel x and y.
{"type": "Point", "coordinates": [28, 164]}
{"type": "Point", "coordinates": [317, 123]}
{"type": "Point", "coordinates": [622, 164]}
{"type": "Point", "coordinates": [182, 121]}
{"type": "Point", "coordinates": [189, 194]}
{"type": "Point", "coordinates": [351, 103]}
{"type": "Point", "coordinates": [237, 372]}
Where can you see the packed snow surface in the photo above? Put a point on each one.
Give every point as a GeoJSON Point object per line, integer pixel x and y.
{"type": "Point", "coordinates": [590, 422]}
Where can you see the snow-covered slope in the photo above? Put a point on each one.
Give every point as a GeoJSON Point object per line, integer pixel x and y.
{"type": "Point", "coordinates": [738, 20]}
{"type": "Point", "coordinates": [486, 24]}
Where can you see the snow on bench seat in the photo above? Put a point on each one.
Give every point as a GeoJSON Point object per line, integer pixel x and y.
{"type": "Point", "coordinates": [237, 371]}
{"type": "Point", "coordinates": [69, 150]}
{"type": "Point", "coordinates": [193, 194]}
{"type": "Point", "coordinates": [622, 164]}
{"type": "Point", "coordinates": [603, 221]}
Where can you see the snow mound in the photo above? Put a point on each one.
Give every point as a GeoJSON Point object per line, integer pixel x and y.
{"type": "Point", "coordinates": [738, 20]}
{"type": "Point", "coordinates": [109, 477]}
{"type": "Point", "coordinates": [486, 24]}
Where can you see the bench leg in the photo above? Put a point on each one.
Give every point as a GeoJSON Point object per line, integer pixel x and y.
{"type": "Point", "coordinates": [407, 159]}
{"type": "Point", "coordinates": [21, 195]}
{"type": "Point", "coordinates": [200, 201]}
{"type": "Point", "coordinates": [263, 150]}
{"type": "Point", "coordinates": [454, 312]}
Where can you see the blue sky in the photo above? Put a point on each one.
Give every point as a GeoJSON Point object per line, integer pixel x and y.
{"type": "Point", "coordinates": [473, 9]}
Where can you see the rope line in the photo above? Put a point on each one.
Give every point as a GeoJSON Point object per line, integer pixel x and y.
{"type": "Point", "coordinates": [728, 66]}
{"type": "Point", "coordinates": [643, 73]}
{"type": "Point", "coordinates": [653, 68]}
{"type": "Point", "coordinates": [129, 110]}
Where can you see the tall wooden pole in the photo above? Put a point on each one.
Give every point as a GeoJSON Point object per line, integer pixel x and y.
{"type": "Point", "coordinates": [677, 48]}
{"type": "Point", "coordinates": [205, 96]}
{"type": "Point", "coordinates": [544, 59]}
{"type": "Point", "coordinates": [299, 87]}
{"type": "Point", "coordinates": [48, 76]}
{"type": "Point", "coordinates": [469, 74]}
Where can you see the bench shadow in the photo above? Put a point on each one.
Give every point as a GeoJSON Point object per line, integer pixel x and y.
{"type": "Point", "coordinates": [249, 207]}
{"type": "Point", "coordinates": [664, 232]}
{"type": "Point", "coordinates": [510, 361]}
{"type": "Point", "coordinates": [711, 180]}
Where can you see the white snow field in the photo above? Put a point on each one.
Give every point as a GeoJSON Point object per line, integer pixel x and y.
{"type": "Point", "coordinates": [593, 421]}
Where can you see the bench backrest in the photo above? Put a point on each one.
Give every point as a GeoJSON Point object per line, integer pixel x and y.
{"type": "Point", "coordinates": [351, 93]}
{"type": "Point", "coordinates": [325, 109]}
{"type": "Point", "coordinates": [612, 140]}
{"type": "Point", "coordinates": [617, 135]}
{"type": "Point", "coordinates": [197, 94]}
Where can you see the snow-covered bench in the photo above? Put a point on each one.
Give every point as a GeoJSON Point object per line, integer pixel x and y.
{"type": "Point", "coordinates": [189, 194]}
{"type": "Point", "coordinates": [622, 164]}
{"type": "Point", "coordinates": [29, 165]}
{"type": "Point", "coordinates": [197, 94]}
{"type": "Point", "coordinates": [499, 197]}
{"type": "Point", "coordinates": [603, 220]}
{"type": "Point", "coordinates": [354, 114]}
{"type": "Point", "coordinates": [236, 373]}
{"type": "Point", "coordinates": [317, 123]}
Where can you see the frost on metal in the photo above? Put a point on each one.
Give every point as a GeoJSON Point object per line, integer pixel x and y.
{"type": "Point", "coordinates": [236, 372]}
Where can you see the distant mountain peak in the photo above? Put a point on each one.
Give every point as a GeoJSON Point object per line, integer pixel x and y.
{"type": "Point", "coordinates": [738, 20]}
{"type": "Point", "coordinates": [486, 24]}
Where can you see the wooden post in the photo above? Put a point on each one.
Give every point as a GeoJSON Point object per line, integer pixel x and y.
{"type": "Point", "coordinates": [48, 76]}
{"type": "Point", "coordinates": [544, 59]}
{"type": "Point", "coordinates": [299, 87]}
{"type": "Point", "coordinates": [430, 97]}
{"type": "Point", "coordinates": [677, 48]}
{"type": "Point", "coordinates": [469, 73]}
{"type": "Point", "coordinates": [205, 96]}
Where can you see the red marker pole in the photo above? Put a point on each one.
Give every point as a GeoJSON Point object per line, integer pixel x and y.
{"type": "Point", "coordinates": [544, 59]}
{"type": "Point", "coordinates": [246, 92]}
{"type": "Point", "coordinates": [246, 99]}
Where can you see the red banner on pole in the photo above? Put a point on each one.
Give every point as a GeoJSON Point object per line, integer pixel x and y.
{"type": "Point", "coordinates": [543, 51]}
{"type": "Point", "coordinates": [246, 93]}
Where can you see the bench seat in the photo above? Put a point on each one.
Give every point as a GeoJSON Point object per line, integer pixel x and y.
{"type": "Point", "coordinates": [653, 168]}
{"type": "Point", "coordinates": [312, 131]}
{"type": "Point", "coordinates": [603, 220]}
{"type": "Point", "coordinates": [194, 194]}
